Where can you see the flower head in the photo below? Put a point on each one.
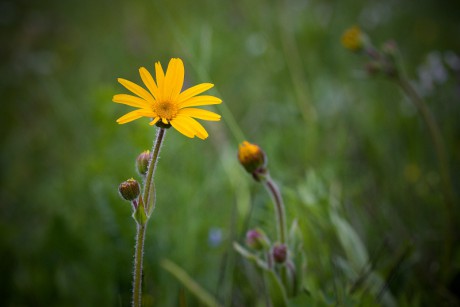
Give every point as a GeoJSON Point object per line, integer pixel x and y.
{"type": "Point", "coordinates": [165, 102]}
{"type": "Point", "coordinates": [353, 39]}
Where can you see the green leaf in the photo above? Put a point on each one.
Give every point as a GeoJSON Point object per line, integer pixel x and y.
{"type": "Point", "coordinates": [353, 246]}
{"type": "Point", "coordinates": [276, 289]}
{"type": "Point", "coordinates": [139, 215]}
{"type": "Point", "coordinates": [151, 200]}
{"type": "Point", "coordinates": [250, 256]}
{"type": "Point", "coordinates": [181, 275]}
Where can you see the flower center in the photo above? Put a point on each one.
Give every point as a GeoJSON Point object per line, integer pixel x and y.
{"type": "Point", "coordinates": [165, 109]}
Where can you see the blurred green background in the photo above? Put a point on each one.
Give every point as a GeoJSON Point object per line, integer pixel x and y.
{"type": "Point", "coordinates": [343, 147]}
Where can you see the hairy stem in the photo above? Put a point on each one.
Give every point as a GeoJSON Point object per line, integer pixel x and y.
{"type": "Point", "coordinates": [138, 259]}
{"type": "Point", "coordinates": [148, 187]}
{"type": "Point", "coordinates": [141, 227]}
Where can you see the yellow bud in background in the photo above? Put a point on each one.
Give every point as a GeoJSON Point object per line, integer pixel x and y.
{"type": "Point", "coordinates": [353, 39]}
{"type": "Point", "coordinates": [251, 157]}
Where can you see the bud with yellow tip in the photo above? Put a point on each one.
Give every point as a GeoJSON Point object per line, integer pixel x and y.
{"type": "Point", "coordinates": [252, 158]}
{"type": "Point", "coordinates": [129, 189]}
{"type": "Point", "coordinates": [142, 162]}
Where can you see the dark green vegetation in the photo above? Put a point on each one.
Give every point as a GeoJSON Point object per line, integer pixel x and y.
{"type": "Point", "coordinates": [352, 157]}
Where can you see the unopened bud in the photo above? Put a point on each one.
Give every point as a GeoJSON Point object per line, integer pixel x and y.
{"type": "Point", "coordinates": [353, 39]}
{"type": "Point", "coordinates": [252, 158]}
{"type": "Point", "coordinates": [279, 253]}
{"type": "Point", "coordinates": [257, 239]}
{"type": "Point", "coordinates": [129, 189]}
{"type": "Point", "coordinates": [372, 68]}
{"type": "Point", "coordinates": [390, 48]}
{"type": "Point", "coordinates": [142, 162]}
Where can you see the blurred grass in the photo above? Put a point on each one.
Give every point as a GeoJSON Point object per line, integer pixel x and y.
{"type": "Point", "coordinates": [330, 133]}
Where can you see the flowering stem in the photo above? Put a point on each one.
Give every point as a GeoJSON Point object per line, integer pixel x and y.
{"type": "Point", "coordinates": [141, 227]}
{"type": "Point", "coordinates": [280, 218]}
{"type": "Point", "coordinates": [441, 155]}
{"type": "Point", "coordinates": [138, 258]}
{"type": "Point", "coordinates": [279, 208]}
{"type": "Point", "coordinates": [152, 164]}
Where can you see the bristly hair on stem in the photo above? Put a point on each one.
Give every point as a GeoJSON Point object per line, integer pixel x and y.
{"type": "Point", "coordinates": [147, 209]}
{"type": "Point", "coordinates": [138, 265]}
{"type": "Point", "coordinates": [148, 185]}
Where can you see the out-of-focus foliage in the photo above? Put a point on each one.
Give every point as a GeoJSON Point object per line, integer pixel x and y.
{"type": "Point", "coordinates": [351, 155]}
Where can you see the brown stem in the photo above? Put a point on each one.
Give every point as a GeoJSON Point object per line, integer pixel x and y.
{"type": "Point", "coordinates": [279, 208]}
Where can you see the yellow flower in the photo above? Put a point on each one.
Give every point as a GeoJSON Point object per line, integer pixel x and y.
{"type": "Point", "coordinates": [165, 102]}
{"type": "Point", "coordinates": [353, 39]}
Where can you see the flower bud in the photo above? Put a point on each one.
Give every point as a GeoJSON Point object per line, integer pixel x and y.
{"type": "Point", "coordinates": [389, 65]}
{"type": "Point", "coordinates": [252, 157]}
{"type": "Point", "coordinates": [353, 39]}
{"type": "Point", "coordinates": [257, 239]}
{"type": "Point", "coordinates": [373, 68]}
{"type": "Point", "coordinates": [129, 189]}
{"type": "Point", "coordinates": [279, 253]}
{"type": "Point", "coordinates": [142, 162]}
{"type": "Point", "coordinates": [390, 48]}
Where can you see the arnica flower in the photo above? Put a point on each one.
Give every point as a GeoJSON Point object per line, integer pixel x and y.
{"type": "Point", "coordinates": [353, 39]}
{"type": "Point", "coordinates": [165, 102]}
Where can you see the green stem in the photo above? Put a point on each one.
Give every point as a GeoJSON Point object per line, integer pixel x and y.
{"type": "Point", "coordinates": [436, 138]}
{"type": "Point", "coordinates": [138, 258]}
{"type": "Point", "coordinates": [279, 208]}
{"type": "Point", "coordinates": [141, 227]}
{"type": "Point", "coordinates": [148, 187]}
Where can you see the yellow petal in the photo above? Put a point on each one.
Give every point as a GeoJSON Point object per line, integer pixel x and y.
{"type": "Point", "coordinates": [182, 127]}
{"type": "Point", "coordinates": [130, 100]}
{"type": "Point", "coordinates": [174, 79]}
{"type": "Point", "coordinates": [200, 113]}
{"type": "Point", "coordinates": [136, 89]}
{"type": "Point", "coordinates": [200, 101]}
{"type": "Point", "coordinates": [154, 121]}
{"type": "Point", "coordinates": [133, 115]}
{"type": "Point", "coordinates": [194, 126]}
{"type": "Point", "coordinates": [148, 81]}
{"type": "Point", "coordinates": [160, 75]}
{"type": "Point", "coordinates": [194, 90]}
